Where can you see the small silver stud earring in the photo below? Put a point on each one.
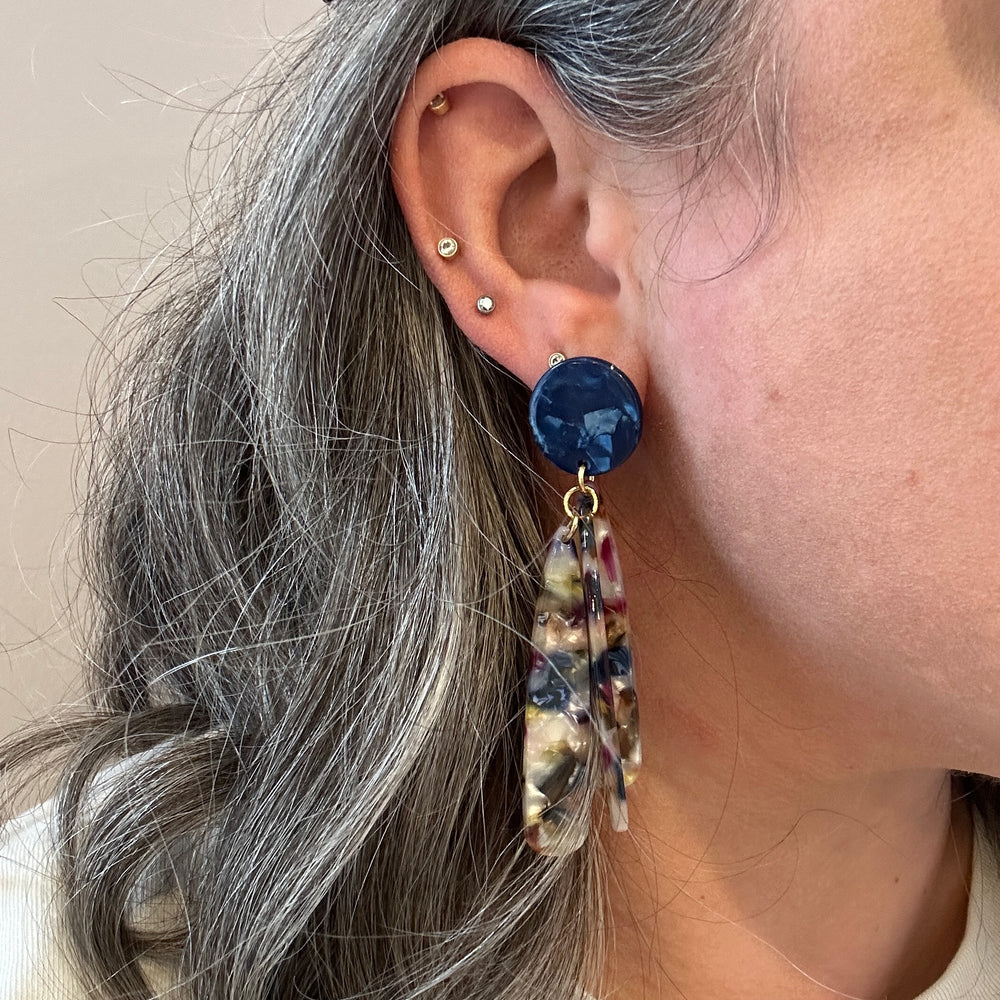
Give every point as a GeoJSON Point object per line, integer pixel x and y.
{"type": "Point", "coordinates": [448, 247]}
{"type": "Point", "coordinates": [486, 305]}
{"type": "Point", "coordinates": [440, 105]}
{"type": "Point", "coordinates": [556, 359]}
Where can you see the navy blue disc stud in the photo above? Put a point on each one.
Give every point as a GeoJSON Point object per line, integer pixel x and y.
{"type": "Point", "coordinates": [585, 411]}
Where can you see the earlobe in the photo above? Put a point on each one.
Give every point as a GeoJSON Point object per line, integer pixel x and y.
{"type": "Point", "coordinates": [508, 175]}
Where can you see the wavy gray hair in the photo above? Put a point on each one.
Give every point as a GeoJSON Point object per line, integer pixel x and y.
{"type": "Point", "coordinates": [312, 547]}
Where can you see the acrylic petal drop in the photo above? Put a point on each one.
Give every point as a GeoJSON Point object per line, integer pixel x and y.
{"type": "Point", "coordinates": [557, 726]}
{"type": "Point", "coordinates": [619, 650]}
{"type": "Point", "coordinates": [601, 685]}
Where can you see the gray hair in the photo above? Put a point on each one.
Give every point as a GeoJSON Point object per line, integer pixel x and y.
{"type": "Point", "coordinates": [313, 545]}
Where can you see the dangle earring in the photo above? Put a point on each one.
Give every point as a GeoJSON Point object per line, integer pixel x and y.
{"type": "Point", "coordinates": [581, 728]}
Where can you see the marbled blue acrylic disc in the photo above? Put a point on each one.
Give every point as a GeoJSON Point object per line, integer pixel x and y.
{"type": "Point", "coordinates": [585, 411]}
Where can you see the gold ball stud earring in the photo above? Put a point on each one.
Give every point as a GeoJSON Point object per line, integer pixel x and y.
{"type": "Point", "coordinates": [440, 105]}
{"type": "Point", "coordinates": [486, 305]}
{"type": "Point", "coordinates": [448, 247]}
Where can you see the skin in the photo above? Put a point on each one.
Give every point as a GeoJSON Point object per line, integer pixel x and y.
{"type": "Point", "coordinates": [808, 529]}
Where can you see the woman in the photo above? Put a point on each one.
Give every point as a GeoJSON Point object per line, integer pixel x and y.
{"type": "Point", "coordinates": [317, 518]}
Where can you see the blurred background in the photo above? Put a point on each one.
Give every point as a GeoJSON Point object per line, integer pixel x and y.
{"type": "Point", "coordinates": [101, 102]}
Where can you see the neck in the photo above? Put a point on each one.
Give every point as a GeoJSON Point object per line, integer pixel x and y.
{"type": "Point", "coordinates": [779, 847]}
{"type": "Point", "coordinates": [859, 892]}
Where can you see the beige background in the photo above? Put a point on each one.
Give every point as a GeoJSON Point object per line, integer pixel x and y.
{"type": "Point", "coordinates": [100, 101]}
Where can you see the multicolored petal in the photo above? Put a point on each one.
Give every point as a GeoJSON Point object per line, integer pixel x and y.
{"type": "Point", "coordinates": [557, 724]}
{"type": "Point", "coordinates": [602, 694]}
{"type": "Point", "coordinates": [619, 650]}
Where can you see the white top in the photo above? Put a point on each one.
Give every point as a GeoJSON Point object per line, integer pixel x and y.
{"type": "Point", "coordinates": [33, 964]}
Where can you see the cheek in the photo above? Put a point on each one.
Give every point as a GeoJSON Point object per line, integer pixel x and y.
{"type": "Point", "coordinates": [835, 414]}
{"type": "Point", "coordinates": [831, 407]}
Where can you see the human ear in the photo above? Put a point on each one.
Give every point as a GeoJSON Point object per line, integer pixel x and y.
{"type": "Point", "coordinates": [526, 190]}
